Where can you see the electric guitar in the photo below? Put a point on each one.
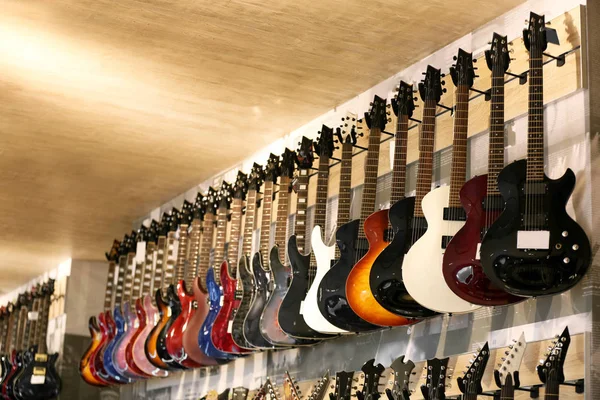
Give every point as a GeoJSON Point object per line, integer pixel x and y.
{"type": "Point", "coordinates": [470, 383]}
{"type": "Point", "coordinates": [16, 355]}
{"type": "Point", "coordinates": [481, 201]}
{"type": "Point", "coordinates": [385, 277]}
{"type": "Point", "coordinates": [403, 370]}
{"type": "Point", "coordinates": [244, 268]}
{"type": "Point", "coordinates": [281, 272]}
{"type": "Point", "coordinates": [371, 232]}
{"type": "Point", "coordinates": [343, 386]}
{"type": "Point", "coordinates": [86, 365]}
{"type": "Point", "coordinates": [321, 254]}
{"type": "Point", "coordinates": [290, 312]}
{"type": "Point", "coordinates": [507, 374]}
{"type": "Point", "coordinates": [535, 248]}
{"type": "Point", "coordinates": [435, 384]}
{"type": "Point", "coordinates": [220, 334]}
{"type": "Point", "coordinates": [320, 388]}
{"type": "Point", "coordinates": [215, 293]}
{"type": "Point", "coordinates": [260, 262]}
{"type": "Point", "coordinates": [39, 379]}
{"type": "Point", "coordinates": [550, 371]}
{"type": "Point", "coordinates": [443, 211]}
{"type": "Point", "coordinates": [371, 374]}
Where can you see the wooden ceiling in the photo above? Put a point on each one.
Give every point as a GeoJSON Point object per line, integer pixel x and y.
{"type": "Point", "coordinates": [108, 109]}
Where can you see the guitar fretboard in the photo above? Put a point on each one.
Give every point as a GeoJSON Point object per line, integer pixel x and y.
{"type": "Point", "coordinates": [496, 139]}
{"type": "Point", "coordinates": [170, 260]}
{"type": "Point", "coordinates": [159, 271]}
{"type": "Point", "coordinates": [535, 136]}
{"type": "Point", "coordinates": [233, 250]}
{"type": "Point", "coordinates": [425, 166]}
{"type": "Point", "coordinates": [110, 280]}
{"type": "Point", "coordinates": [459, 145]}
{"type": "Point", "coordinates": [208, 227]}
{"type": "Point", "coordinates": [31, 329]}
{"type": "Point", "coordinates": [301, 206]}
{"type": "Point", "coordinates": [43, 324]}
{"type": "Point", "coordinates": [149, 266]}
{"type": "Point", "coordinates": [220, 242]}
{"type": "Point", "coordinates": [322, 189]}
{"type": "Point", "coordinates": [370, 186]}
{"type": "Point", "coordinates": [129, 274]}
{"type": "Point", "coordinates": [182, 252]}
{"type": "Point", "coordinates": [120, 280]}
{"type": "Point", "coordinates": [194, 257]}
{"type": "Point", "coordinates": [345, 189]}
{"type": "Point", "coordinates": [265, 226]}
{"type": "Point", "coordinates": [249, 223]}
{"type": "Point", "coordinates": [507, 391]}
{"type": "Point", "coordinates": [399, 168]}
{"type": "Point", "coordinates": [140, 258]}
{"type": "Point", "coordinates": [21, 328]}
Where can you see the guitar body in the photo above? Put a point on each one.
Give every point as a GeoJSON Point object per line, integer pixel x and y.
{"type": "Point", "coordinates": [16, 362]}
{"type": "Point", "coordinates": [535, 272]}
{"type": "Point", "coordinates": [461, 266]}
{"type": "Point", "coordinates": [422, 268]}
{"type": "Point", "coordinates": [151, 345]}
{"type": "Point", "coordinates": [252, 322]}
{"type": "Point", "coordinates": [120, 352]}
{"type": "Point", "coordinates": [118, 327]}
{"type": "Point", "coordinates": [6, 367]}
{"type": "Point", "coordinates": [269, 324]}
{"type": "Point", "coordinates": [86, 363]}
{"type": "Point", "coordinates": [220, 335]}
{"type": "Point", "coordinates": [135, 353]}
{"type": "Point", "coordinates": [332, 299]}
{"type": "Point", "coordinates": [214, 297]}
{"type": "Point", "coordinates": [106, 325]}
{"type": "Point", "coordinates": [174, 339]}
{"type": "Point", "coordinates": [237, 327]}
{"type": "Point", "coordinates": [199, 312]}
{"type": "Point", "coordinates": [173, 309]}
{"type": "Point", "coordinates": [311, 313]}
{"type": "Point", "coordinates": [290, 312]}
{"type": "Point", "coordinates": [358, 289]}
{"type": "Point", "coordinates": [45, 388]}
{"type": "Point", "coordinates": [385, 279]}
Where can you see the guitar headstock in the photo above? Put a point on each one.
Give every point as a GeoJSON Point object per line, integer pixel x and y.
{"type": "Point", "coordinates": [49, 287]}
{"type": "Point", "coordinates": [272, 170]}
{"type": "Point", "coordinates": [290, 390]}
{"type": "Point", "coordinates": [152, 232]}
{"type": "Point", "coordinates": [402, 373]}
{"type": "Point", "coordinates": [470, 383]}
{"type": "Point", "coordinates": [199, 207]}
{"type": "Point", "coordinates": [210, 201]}
{"type": "Point", "coordinates": [346, 133]}
{"type": "Point", "coordinates": [318, 391]}
{"type": "Point", "coordinates": [142, 234]}
{"type": "Point", "coordinates": [271, 391]}
{"type": "Point", "coordinates": [239, 393]}
{"type": "Point", "coordinates": [370, 385]}
{"type": "Point", "coordinates": [174, 220]}
{"type": "Point", "coordinates": [377, 117]}
{"type": "Point", "coordinates": [186, 214]}
{"type": "Point", "coordinates": [288, 163]}
{"type": "Point", "coordinates": [404, 101]}
{"type": "Point", "coordinates": [240, 187]}
{"type": "Point", "coordinates": [552, 367]}
{"type": "Point", "coordinates": [256, 178]}
{"type": "Point", "coordinates": [534, 35]}
{"type": "Point", "coordinates": [304, 155]}
{"type": "Point", "coordinates": [462, 72]}
{"type": "Point", "coordinates": [324, 144]}
{"type": "Point", "coordinates": [508, 371]}
{"type": "Point", "coordinates": [430, 88]}
{"type": "Point", "coordinates": [435, 385]}
{"type": "Point", "coordinates": [113, 253]}
{"type": "Point", "coordinates": [498, 57]}
{"type": "Point", "coordinates": [224, 395]}
{"type": "Point", "coordinates": [124, 246]}
{"type": "Point", "coordinates": [163, 225]}
{"type": "Point", "coordinates": [224, 196]}
{"type": "Point", "coordinates": [343, 385]}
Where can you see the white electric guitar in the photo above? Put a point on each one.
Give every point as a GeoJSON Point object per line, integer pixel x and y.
{"type": "Point", "coordinates": [507, 374]}
{"type": "Point", "coordinates": [324, 254]}
{"type": "Point", "coordinates": [441, 207]}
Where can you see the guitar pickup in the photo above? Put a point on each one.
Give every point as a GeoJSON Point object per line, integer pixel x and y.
{"type": "Point", "coordinates": [493, 203]}
{"type": "Point", "coordinates": [535, 188]}
{"type": "Point", "coordinates": [454, 214]}
{"type": "Point", "coordinates": [446, 240]}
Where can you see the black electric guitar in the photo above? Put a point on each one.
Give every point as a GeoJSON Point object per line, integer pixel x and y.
{"type": "Point", "coordinates": [470, 383]}
{"type": "Point", "coordinates": [535, 248]}
{"type": "Point", "coordinates": [39, 379]}
{"type": "Point", "coordinates": [507, 374]}
{"type": "Point", "coordinates": [343, 386]}
{"type": "Point", "coordinates": [370, 384]}
{"type": "Point", "coordinates": [435, 384]}
{"type": "Point", "coordinates": [551, 371]}
{"type": "Point", "coordinates": [290, 317]}
{"type": "Point", "coordinates": [403, 370]}
{"type": "Point", "coordinates": [320, 388]}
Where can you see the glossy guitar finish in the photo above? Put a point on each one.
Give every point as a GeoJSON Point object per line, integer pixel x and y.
{"type": "Point", "coordinates": [237, 328]}
{"type": "Point", "coordinates": [172, 309]}
{"type": "Point", "coordinates": [106, 325]}
{"type": "Point", "coordinates": [357, 283]}
{"type": "Point", "coordinates": [214, 297]}
{"type": "Point", "coordinates": [86, 363]}
{"type": "Point", "coordinates": [220, 335]}
{"type": "Point", "coordinates": [46, 390]}
{"type": "Point", "coordinates": [462, 268]}
{"type": "Point", "coordinates": [120, 352]}
{"type": "Point", "coordinates": [16, 363]}
{"type": "Point", "coordinates": [118, 328]}
{"type": "Point", "coordinates": [385, 278]}
{"type": "Point", "coordinates": [151, 345]}
{"type": "Point", "coordinates": [6, 368]}
{"type": "Point", "coordinates": [535, 272]}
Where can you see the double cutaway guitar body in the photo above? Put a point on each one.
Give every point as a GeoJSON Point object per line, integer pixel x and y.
{"type": "Point", "coordinates": [252, 331]}
{"type": "Point", "coordinates": [204, 340]}
{"type": "Point", "coordinates": [385, 279]}
{"type": "Point", "coordinates": [124, 368]}
{"type": "Point", "coordinates": [290, 315]}
{"type": "Point", "coordinates": [155, 346]}
{"type": "Point", "coordinates": [107, 327]}
{"type": "Point", "coordinates": [117, 326]}
{"type": "Point", "coordinates": [175, 345]}
{"type": "Point", "coordinates": [358, 288]}
{"type": "Point", "coordinates": [269, 324]}
{"type": "Point", "coordinates": [199, 311]}
{"type": "Point", "coordinates": [86, 364]}
{"type": "Point", "coordinates": [237, 327]}
{"type": "Point", "coordinates": [45, 388]}
{"type": "Point", "coordinates": [172, 310]}
{"type": "Point", "coordinates": [220, 335]}
{"type": "Point", "coordinates": [462, 267]}
{"type": "Point", "coordinates": [332, 299]}
{"type": "Point", "coordinates": [16, 365]}
{"type": "Point", "coordinates": [539, 271]}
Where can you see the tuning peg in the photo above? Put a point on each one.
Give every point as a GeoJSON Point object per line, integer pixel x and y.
{"type": "Point", "coordinates": [442, 75]}
{"type": "Point", "coordinates": [444, 90]}
{"type": "Point", "coordinates": [548, 23]}
{"type": "Point", "coordinates": [455, 58]}
{"type": "Point", "coordinates": [371, 104]}
{"type": "Point", "coordinates": [389, 120]}
{"type": "Point", "coordinates": [443, 84]}
{"type": "Point", "coordinates": [475, 61]}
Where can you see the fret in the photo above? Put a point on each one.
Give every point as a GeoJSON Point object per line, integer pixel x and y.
{"type": "Point", "coordinates": [219, 255]}
{"type": "Point", "coordinates": [208, 227]}
{"type": "Point", "coordinates": [399, 167]}
{"type": "Point", "coordinates": [301, 206]}
{"type": "Point", "coordinates": [235, 232]}
{"type": "Point", "coordinates": [535, 137]}
{"type": "Point", "coordinates": [459, 145]}
{"type": "Point", "coordinates": [194, 245]}
{"type": "Point", "coordinates": [249, 222]}
{"type": "Point", "coordinates": [283, 210]}
{"type": "Point", "coordinates": [265, 226]}
{"type": "Point", "coordinates": [425, 165]}
{"type": "Point", "coordinates": [182, 252]}
{"type": "Point", "coordinates": [370, 183]}
{"type": "Point", "coordinates": [129, 274]}
{"type": "Point", "coordinates": [110, 280]}
{"type": "Point", "coordinates": [496, 136]}
{"type": "Point", "coordinates": [322, 189]}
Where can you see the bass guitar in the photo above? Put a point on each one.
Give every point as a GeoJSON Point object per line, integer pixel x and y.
{"type": "Point", "coordinates": [385, 277]}
{"type": "Point", "coordinates": [371, 374]}
{"type": "Point", "coordinates": [435, 384]}
{"type": "Point", "coordinates": [403, 370]}
{"type": "Point", "coordinates": [507, 374]}
{"type": "Point", "coordinates": [535, 248]}
{"type": "Point", "coordinates": [443, 211]}
{"type": "Point", "coordinates": [481, 201]}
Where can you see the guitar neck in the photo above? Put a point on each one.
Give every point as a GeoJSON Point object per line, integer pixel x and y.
{"type": "Point", "coordinates": [459, 145]}
{"type": "Point", "coordinates": [208, 227]}
{"type": "Point", "coordinates": [194, 244]}
{"type": "Point", "coordinates": [32, 337]}
{"type": "Point", "coordinates": [551, 389]}
{"type": "Point", "coordinates": [233, 249]}
{"type": "Point", "coordinates": [149, 267]}
{"type": "Point", "coordinates": [161, 251]}
{"type": "Point", "coordinates": [322, 189]}
{"type": "Point", "coordinates": [140, 265]}
{"type": "Point", "coordinates": [129, 274]}
{"type": "Point", "coordinates": [170, 260]}
{"type": "Point", "coordinates": [496, 138]}
{"type": "Point", "coordinates": [301, 206]}
{"type": "Point", "coordinates": [219, 255]}
{"type": "Point", "coordinates": [110, 280]}
{"type": "Point", "coordinates": [21, 328]}
{"type": "Point", "coordinates": [120, 280]}
{"type": "Point", "coordinates": [43, 324]}
{"type": "Point", "coordinates": [8, 339]}
{"type": "Point", "coordinates": [425, 166]}
{"type": "Point", "coordinates": [370, 186]}
{"type": "Point", "coordinates": [399, 168]}
{"type": "Point", "coordinates": [182, 252]}
{"type": "Point", "coordinates": [507, 391]}
{"type": "Point", "coordinates": [265, 226]}
{"type": "Point", "coordinates": [249, 222]}
{"type": "Point", "coordinates": [535, 136]}
{"type": "Point", "coordinates": [283, 211]}
{"type": "Point", "coordinates": [344, 196]}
